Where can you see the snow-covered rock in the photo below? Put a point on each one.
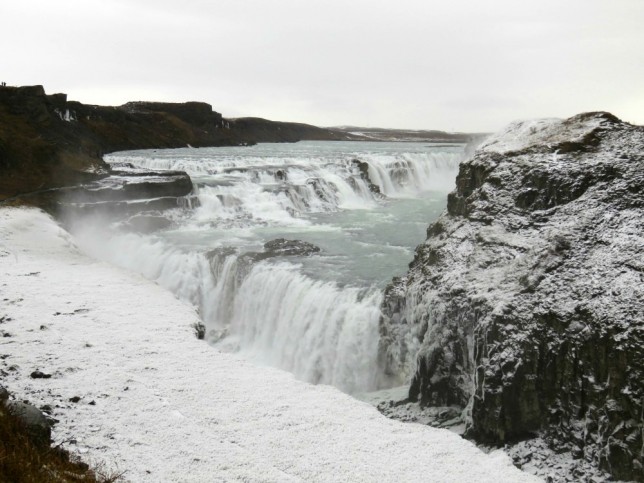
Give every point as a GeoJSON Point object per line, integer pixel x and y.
{"type": "Point", "coordinates": [132, 386]}
{"type": "Point", "coordinates": [525, 305]}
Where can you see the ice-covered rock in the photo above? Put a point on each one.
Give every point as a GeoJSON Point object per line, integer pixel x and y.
{"type": "Point", "coordinates": [525, 305]}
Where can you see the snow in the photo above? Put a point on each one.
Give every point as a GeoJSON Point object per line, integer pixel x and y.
{"type": "Point", "coordinates": [67, 116]}
{"type": "Point", "coordinates": [164, 406]}
{"type": "Point", "coordinates": [520, 135]}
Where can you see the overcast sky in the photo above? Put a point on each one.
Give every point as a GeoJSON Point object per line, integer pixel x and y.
{"type": "Point", "coordinates": [456, 65]}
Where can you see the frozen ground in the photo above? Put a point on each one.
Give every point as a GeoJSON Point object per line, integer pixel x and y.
{"type": "Point", "coordinates": [164, 406]}
{"type": "Point", "coordinates": [533, 456]}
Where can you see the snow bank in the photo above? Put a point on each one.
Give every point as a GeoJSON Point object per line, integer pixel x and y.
{"type": "Point", "coordinates": [519, 135]}
{"type": "Point", "coordinates": [163, 406]}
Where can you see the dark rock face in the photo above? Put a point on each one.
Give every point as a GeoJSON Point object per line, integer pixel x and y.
{"type": "Point", "coordinates": [37, 152]}
{"type": "Point", "coordinates": [131, 186]}
{"type": "Point", "coordinates": [49, 142]}
{"type": "Point", "coordinates": [280, 247]}
{"type": "Point", "coordinates": [525, 306]}
{"type": "Point", "coordinates": [364, 174]}
{"type": "Point", "coordinates": [142, 196]}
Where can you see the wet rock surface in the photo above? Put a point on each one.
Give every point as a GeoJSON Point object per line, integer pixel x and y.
{"type": "Point", "coordinates": [525, 306]}
{"type": "Point", "coordinates": [280, 247]}
{"type": "Point", "coordinates": [125, 193]}
{"type": "Point", "coordinates": [363, 168]}
{"type": "Point", "coordinates": [121, 186]}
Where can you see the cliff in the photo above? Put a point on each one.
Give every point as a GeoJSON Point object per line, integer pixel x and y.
{"type": "Point", "coordinates": [48, 142]}
{"type": "Point", "coordinates": [35, 151]}
{"type": "Point", "coordinates": [525, 305]}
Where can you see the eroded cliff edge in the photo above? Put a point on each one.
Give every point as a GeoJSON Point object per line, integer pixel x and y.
{"type": "Point", "coordinates": [49, 142]}
{"type": "Point", "coordinates": [525, 305]}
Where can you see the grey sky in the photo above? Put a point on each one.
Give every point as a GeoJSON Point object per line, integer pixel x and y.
{"type": "Point", "coordinates": [452, 64]}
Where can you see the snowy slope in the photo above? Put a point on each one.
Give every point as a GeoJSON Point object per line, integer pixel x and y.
{"type": "Point", "coordinates": [520, 135]}
{"type": "Point", "coordinates": [164, 406]}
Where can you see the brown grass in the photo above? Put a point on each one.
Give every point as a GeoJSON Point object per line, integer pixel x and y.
{"type": "Point", "coordinates": [24, 461]}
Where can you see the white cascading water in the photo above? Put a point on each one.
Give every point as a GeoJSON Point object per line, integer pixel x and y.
{"type": "Point", "coordinates": [408, 175]}
{"type": "Point", "coordinates": [269, 310]}
{"type": "Point", "coordinates": [321, 333]}
{"type": "Point", "coordinates": [260, 186]}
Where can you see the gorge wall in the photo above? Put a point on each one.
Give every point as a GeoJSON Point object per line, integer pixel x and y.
{"type": "Point", "coordinates": [47, 141]}
{"type": "Point", "coordinates": [525, 305]}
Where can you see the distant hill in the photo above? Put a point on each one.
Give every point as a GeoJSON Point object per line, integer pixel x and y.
{"type": "Point", "coordinates": [264, 131]}
{"type": "Point", "coordinates": [408, 135]}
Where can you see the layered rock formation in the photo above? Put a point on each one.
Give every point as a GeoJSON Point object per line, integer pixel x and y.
{"type": "Point", "coordinates": [39, 149]}
{"type": "Point", "coordinates": [48, 142]}
{"type": "Point", "coordinates": [525, 305]}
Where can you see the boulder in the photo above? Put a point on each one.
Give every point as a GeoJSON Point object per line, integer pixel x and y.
{"type": "Point", "coordinates": [280, 247]}
{"type": "Point", "coordinates": [36, 423]}
{"type": "Point", "coordinates": [37, 374]}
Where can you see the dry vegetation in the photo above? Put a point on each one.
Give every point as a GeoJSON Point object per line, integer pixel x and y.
{"type": "Point", "coordinates": [23, 460]}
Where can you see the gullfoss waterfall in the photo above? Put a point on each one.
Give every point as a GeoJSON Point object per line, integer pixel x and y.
{"type": "Point", "coordinates": [285, 248]}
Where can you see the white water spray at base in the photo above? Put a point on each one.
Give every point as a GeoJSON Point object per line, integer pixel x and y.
{"type": "Point", "coordinates": [316, 330]}
{"type": "Point", "coordinates": [271, 312]}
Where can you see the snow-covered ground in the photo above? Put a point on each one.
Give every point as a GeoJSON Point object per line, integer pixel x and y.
{"type": "Point", "coordinates": [164, 406]}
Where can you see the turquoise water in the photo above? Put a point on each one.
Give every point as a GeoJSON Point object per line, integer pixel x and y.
{"type": "Point", "coordinates": [316, 316]}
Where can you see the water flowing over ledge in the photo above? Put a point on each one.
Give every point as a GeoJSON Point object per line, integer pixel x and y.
{"type": "Point", "coordinates": [364, 204]}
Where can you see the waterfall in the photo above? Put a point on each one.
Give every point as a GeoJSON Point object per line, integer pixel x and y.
{"type": "Point", "coordinates": [270, 311]}
{"type": "Point", "coordinates": [270, 189]}
{"type": "Point", "coordinates": [278, 311]}
{"type": "Point", "coordinates": [320, 332]}
{"type": "Point", "coordinates": [409, 174]}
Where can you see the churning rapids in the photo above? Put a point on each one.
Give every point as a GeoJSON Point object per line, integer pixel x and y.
{"type": "Point", "coordinates": [313, 313]}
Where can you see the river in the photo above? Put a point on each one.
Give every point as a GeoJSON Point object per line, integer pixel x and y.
{"type": "Point", "coordinates": [357, 211]}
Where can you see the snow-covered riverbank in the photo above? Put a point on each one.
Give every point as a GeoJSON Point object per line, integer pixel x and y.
{"type": "Point", "coordinates": [164, 406]}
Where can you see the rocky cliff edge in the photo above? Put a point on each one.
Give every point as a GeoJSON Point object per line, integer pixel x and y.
{"type": "Point", "coordinates": [525, 305]}
{"type": "Point", "coordinates": [49, 142]}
